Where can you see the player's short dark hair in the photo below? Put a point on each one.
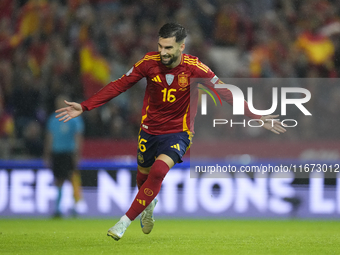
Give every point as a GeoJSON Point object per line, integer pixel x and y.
{"type": "Point", "coordinates": [173, 29]}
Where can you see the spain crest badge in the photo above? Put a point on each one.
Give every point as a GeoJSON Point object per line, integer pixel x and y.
{"type": "Point", "coordinates": [183, 80]}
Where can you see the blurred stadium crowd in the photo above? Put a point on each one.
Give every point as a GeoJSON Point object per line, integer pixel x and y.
{"type": "Point", "coordinates": [75, 47]}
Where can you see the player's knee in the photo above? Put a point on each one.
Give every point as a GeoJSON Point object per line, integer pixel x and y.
{"type": "Point", "coordinates": [157, 176]}
{"type": "Point", "coordinates": [158, 171]}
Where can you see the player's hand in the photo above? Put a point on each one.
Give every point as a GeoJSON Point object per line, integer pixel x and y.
{"type": "Point", "coordinates": [71, 111]}
{"type": "Point", "coordinates": [273, 124]}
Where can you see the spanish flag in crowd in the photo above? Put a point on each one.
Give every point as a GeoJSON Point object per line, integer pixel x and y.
{"type": "Point", "coordinates": [258, 56]}
{"type": "Point", "coordinates": [94, 68]}
{"type": "Point", "coordinates": [319, 49]}
{"type": "Point", "coordinates": [32, 17]}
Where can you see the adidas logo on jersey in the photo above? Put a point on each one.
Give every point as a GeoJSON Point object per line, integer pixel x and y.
{"type": "Point", "coordinates": [156, 79]}
{"type": "Point", "coordinates": [176, 146]}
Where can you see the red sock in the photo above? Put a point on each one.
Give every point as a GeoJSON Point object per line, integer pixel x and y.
{"type": "Point", "coordinates": [149, 190]}
{"type": "Point", "coordinates": [141, 178]}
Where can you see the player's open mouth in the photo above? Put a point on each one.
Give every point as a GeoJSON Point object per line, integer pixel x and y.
{"type": "Point", "coordinates": [166, 58]}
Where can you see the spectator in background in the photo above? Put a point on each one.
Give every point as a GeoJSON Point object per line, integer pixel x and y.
{"type": "Point", "coordinates": [26, 98]}
{"type": "Point", "coordinates": [8, 42]}
{"type": "Point", "coordinates": [33, 139]}
{"type": "Point", "coordinates": [227, 26]}
{"type": "Point", "coordinates": [62, 151]}
{"type": "Point", "coordinates": [6, 130]}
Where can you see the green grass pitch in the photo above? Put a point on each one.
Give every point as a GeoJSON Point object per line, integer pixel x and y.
{"type": "Point", "coordinates": [170, 236]}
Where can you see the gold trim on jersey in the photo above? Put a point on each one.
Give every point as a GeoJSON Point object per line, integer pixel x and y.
{"type": "Point", "coordinates": [185, 126]}
{"type": "Point", "coordinates": [191, 135]}
{"type": "Point", "coordinates": [146, 114]}
{"type": "Point", "coordinates": [194, 62]}
{"type": "Point", "coordinates": [148, 57]}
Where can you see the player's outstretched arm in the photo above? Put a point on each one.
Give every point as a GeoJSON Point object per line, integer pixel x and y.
{"type": "Point", "coordinates": [272, 124]}
{"type": "Point", "coordinates": [71, 111]}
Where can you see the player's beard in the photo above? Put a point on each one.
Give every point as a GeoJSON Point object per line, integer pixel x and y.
{"type": "Point", "coordinates": [171, 59]}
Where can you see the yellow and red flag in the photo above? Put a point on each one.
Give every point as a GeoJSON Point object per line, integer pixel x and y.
{"type": "Point", "coordinates": [94, 68]}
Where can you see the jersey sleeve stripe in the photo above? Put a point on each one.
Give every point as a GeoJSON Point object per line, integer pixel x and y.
{"type": "Point", "coordinates": [203, 66]}
{"type": "Point", "coordinates": [195, 64]}
{"type": "Point", "coordinates": [202, 69]}
{"type": "Point", "coordinates": [194, 61]}
{"type": "Point", "coordinates": [190, 60]}
{"type": "Point", "coordinates": [139, 62]}
{"type": "Point", "coordinates": [147, 57]}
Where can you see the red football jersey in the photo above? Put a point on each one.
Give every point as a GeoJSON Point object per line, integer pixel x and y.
{"type": "Point", "coordinates": [166, 105]}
